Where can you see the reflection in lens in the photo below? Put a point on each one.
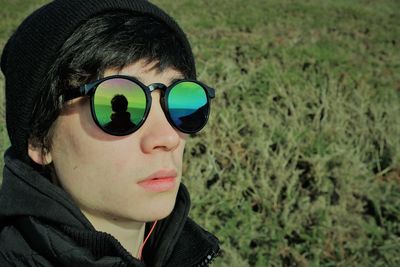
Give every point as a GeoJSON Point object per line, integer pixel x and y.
{"type": "Point", "coordinates": [188, 106]}
{"type": "Point", "coordinates": [120, 118]}
{"type": "Point", "coordinates": [119, 105]}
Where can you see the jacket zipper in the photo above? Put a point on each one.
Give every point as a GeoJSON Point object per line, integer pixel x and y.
{"type": "Point", "coordinates": [209, 259]}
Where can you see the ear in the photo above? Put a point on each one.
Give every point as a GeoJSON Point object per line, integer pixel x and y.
{"type": "Point", "coordinates": [38, 155]}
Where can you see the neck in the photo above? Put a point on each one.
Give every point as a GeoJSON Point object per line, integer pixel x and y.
{"type": "Point", "coordinates": [129, 233]}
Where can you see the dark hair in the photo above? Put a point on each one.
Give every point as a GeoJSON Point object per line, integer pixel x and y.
{"type": "Point", "coordinates": [111, 40]}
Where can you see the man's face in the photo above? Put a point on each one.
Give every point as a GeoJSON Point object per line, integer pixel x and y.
{"type": "Point", "coordinates": [101, 172]}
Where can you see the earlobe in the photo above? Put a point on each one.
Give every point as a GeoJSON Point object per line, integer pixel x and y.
{"type": "Point", "coordinates": [39, 156]}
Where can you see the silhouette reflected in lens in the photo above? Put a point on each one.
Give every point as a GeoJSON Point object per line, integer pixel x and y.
{"type": "Point", "coordinates": [120, 118]}
{"type": "Point", "coordinates": [193, 121]}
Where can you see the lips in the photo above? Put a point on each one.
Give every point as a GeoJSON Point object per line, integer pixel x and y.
{"type": "Point", "coordinates": [160, 181]}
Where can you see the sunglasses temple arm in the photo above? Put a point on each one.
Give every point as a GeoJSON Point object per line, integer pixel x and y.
{"type": "Point", "coordinates": [78, 92]}
{"type": "Point", "coordinates": [211, 92]}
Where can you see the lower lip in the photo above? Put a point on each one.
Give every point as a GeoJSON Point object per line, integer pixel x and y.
{"type": "Point", "coordinates": [159, 185]}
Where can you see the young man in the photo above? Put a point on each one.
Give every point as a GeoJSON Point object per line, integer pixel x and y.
{"type": "Point", "coordinates": [101, 97]}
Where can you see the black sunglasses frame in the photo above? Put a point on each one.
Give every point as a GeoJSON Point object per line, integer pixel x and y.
{"type": "Point", "coordinates": [90, 90]}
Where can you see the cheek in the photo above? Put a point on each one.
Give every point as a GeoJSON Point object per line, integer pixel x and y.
{"type": "Point", "coordinates": [177, 157]}
{"type": "Point", "coordinates": [77, 138]}
{"type": "Point", "coordinates": [99, 171]}
{"type": "Point", "coordinates": [93, 172]}
{"type": "Point", "coordinates": [64, 143]}
{"type": "Point", "coordinates": [178, 154]}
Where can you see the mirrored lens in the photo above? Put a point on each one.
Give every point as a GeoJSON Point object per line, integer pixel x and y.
{"type": "Point", "coordinates": [119, 105]}
{"type": "Point", "coordinates": [188, 106]}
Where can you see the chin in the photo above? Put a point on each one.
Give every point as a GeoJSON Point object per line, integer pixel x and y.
{"type": "Point", "coordinates": [154, 210]}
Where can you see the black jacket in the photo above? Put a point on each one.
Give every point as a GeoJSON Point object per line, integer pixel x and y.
{"type": "Point", "coordinates": [41, 226]}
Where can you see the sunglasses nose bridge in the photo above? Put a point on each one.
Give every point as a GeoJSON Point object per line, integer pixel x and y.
{"type": "Point", "coordinates": [162, 87]}
{"type": "Point", "coordinates": [155, 86]}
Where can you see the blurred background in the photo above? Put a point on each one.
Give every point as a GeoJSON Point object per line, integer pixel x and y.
{"type": "Point", "coordinates": [300, 163]}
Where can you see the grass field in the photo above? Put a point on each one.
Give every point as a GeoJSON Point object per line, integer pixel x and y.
{"type": "Point", "coordinates": [300, 163]}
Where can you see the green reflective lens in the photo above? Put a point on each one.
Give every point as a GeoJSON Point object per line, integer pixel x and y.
{"type": "Point", "coordinates": [119, 105]}
{"type": "Point", "coordinates": [188, 106]}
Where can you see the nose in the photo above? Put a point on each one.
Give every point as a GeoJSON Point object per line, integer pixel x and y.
{"type": "Point", "coordinates": [157, 132]}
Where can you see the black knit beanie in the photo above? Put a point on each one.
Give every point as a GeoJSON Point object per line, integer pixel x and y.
{"type": "Point", "coordinates": [32, 49]}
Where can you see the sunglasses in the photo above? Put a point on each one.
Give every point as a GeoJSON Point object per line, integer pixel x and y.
{"type": "Point", "coordinates": [120, 104]}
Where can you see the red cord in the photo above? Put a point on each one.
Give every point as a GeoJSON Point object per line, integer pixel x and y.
{"type": "Point", "coordinates": [144, 242]}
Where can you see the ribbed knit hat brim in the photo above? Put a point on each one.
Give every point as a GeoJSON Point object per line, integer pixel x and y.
{"type": "Point", "coordinates": [33, 48]}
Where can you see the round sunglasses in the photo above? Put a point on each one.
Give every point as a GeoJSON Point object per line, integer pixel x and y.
{"type": "Point", "coordinates": [120, 104]}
